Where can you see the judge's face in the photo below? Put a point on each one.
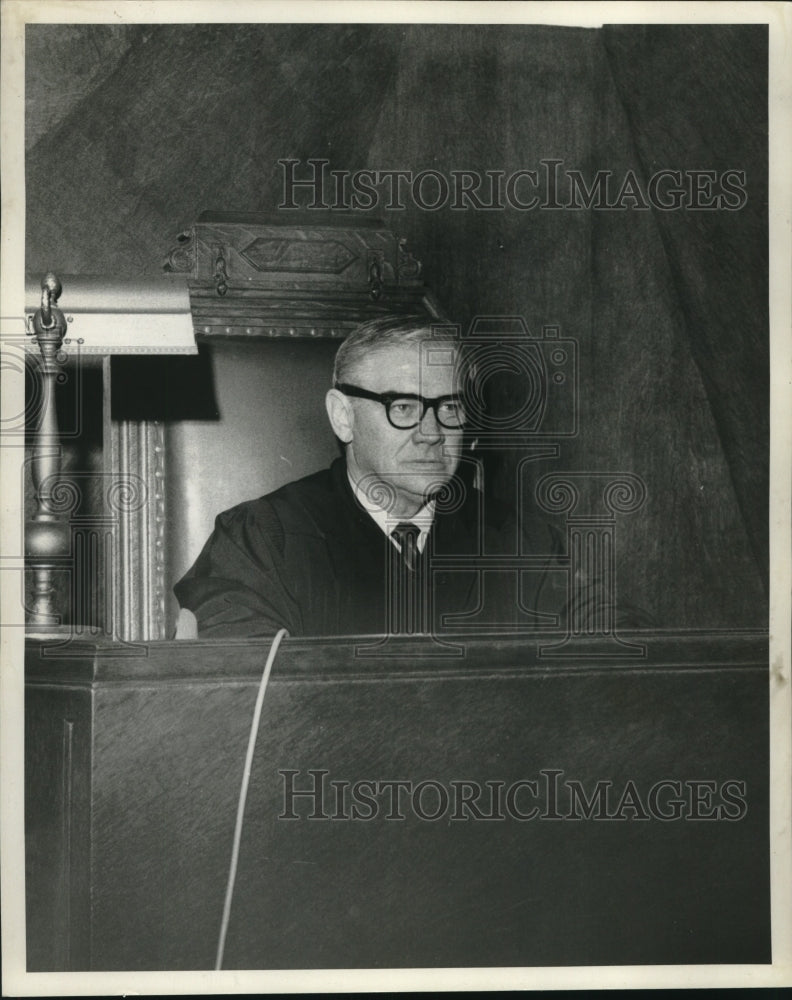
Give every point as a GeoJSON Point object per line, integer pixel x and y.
{"type": "Point", "coordinates": [411, 463]}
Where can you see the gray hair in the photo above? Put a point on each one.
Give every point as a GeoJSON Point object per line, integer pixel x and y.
{"type": "Point", "coordinates": [387, 331]}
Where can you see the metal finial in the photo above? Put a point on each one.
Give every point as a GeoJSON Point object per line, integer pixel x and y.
{"type": "Point", "coordinates": [50, 282]}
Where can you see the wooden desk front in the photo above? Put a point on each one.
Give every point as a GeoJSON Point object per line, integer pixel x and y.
{"type": "Point", "coordinates": [134, 758]}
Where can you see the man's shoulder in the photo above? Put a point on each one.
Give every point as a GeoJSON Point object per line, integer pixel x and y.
{"type": "Point", "coordinates": [302, 505]}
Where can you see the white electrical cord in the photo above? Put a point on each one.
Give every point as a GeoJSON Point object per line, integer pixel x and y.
{"type": "Point", "coordinates": [254, 728]}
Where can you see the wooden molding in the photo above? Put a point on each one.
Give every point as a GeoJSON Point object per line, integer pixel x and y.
{"type": "Point", "coordinates": [138, 459]}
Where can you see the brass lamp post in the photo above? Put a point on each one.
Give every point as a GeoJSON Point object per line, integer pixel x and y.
{"type": "Point", "coordinates": [47, 535]}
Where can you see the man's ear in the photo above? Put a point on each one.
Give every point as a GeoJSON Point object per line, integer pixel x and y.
{"type": "Point", "coordinates": [341, 414]}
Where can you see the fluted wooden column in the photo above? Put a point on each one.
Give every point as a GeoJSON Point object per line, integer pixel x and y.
{"type": "Point", "coordinates": [138, 508]}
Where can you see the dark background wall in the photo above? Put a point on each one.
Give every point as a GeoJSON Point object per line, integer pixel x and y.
{"type": "Point", "coordinates": [153, 124]}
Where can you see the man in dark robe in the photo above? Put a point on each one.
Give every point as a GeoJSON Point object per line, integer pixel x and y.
{"type": "Point", "coordinates": [387, 539]}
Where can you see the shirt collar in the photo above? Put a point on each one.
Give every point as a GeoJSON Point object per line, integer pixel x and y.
{"type": "Point", "coordinates": [423, 518]}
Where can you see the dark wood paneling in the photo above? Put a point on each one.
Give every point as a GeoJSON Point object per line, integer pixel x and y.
{"type": "Point", "coordinates": [58, 727]}
{"type": "Point", "coordinates": [169, 733]}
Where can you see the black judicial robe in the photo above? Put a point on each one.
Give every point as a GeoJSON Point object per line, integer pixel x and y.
{"type": "Point", "coordinates": [309, 558]}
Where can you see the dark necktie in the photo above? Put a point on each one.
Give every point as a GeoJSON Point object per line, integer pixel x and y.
{"type": "Point", "coordinates": [405, 601]}
{"type": "Point", "coordinates": [406, 534]}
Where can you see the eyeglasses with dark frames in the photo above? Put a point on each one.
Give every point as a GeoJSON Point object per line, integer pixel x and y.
{"type": "Point", "coordinates": [406, 410]}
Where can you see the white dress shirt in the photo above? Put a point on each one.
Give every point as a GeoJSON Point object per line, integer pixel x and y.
{"type": "Point", "coordinates": [422, 518]}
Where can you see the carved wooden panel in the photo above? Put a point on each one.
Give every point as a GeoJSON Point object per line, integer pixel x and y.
{"type": "Point", "coordinates": [254, 276]}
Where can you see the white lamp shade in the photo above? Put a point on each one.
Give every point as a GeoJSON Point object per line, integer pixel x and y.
{"type": "Point", "coordinates": [114, 316]}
